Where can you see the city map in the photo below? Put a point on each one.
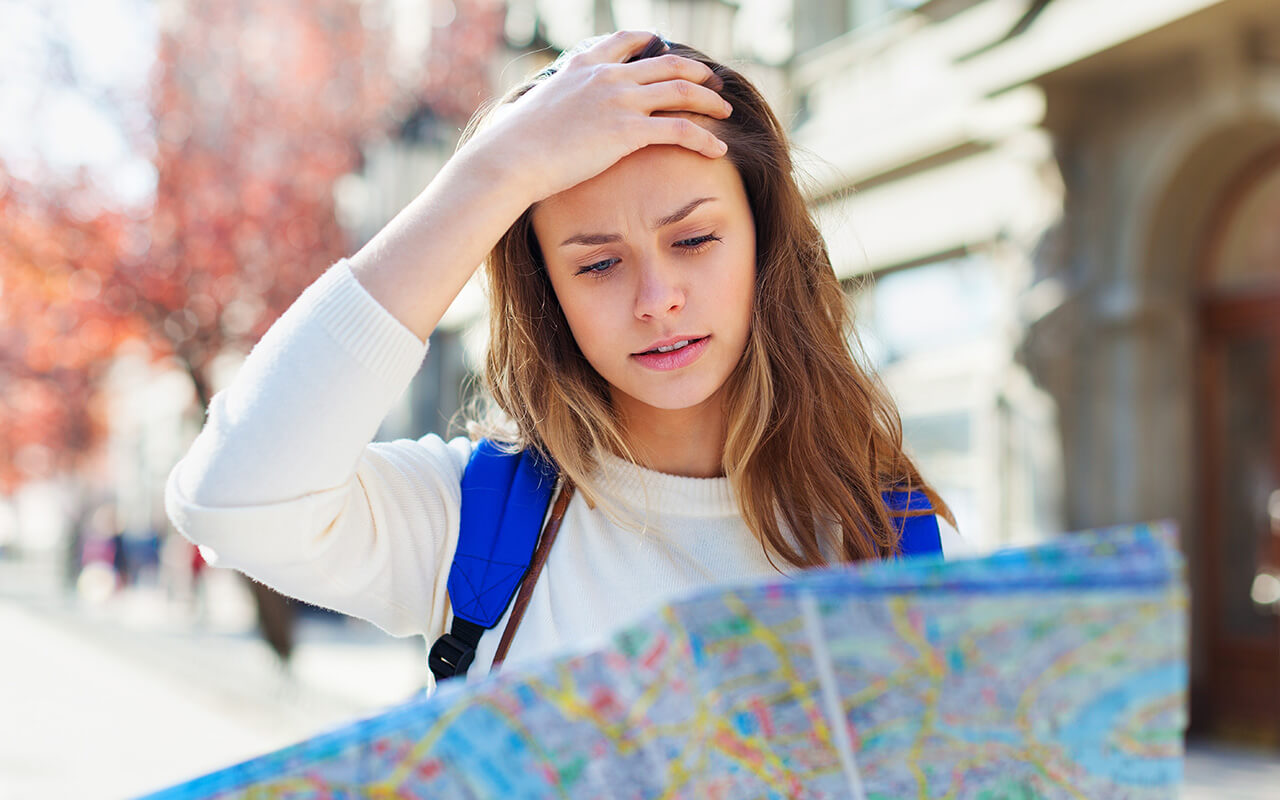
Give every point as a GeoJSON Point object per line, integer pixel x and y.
{"type": "Point", "coordinates": [1057, 671]}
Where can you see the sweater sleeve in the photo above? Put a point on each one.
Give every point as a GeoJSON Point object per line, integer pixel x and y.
{"type": "Point", "coordinates": [283, 484]}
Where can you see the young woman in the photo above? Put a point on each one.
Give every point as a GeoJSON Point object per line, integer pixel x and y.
{"type": "Point", "coordinates": [665, 326]}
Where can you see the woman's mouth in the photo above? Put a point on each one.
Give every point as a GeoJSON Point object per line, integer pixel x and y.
{"type": "Point", "coordinates": [675, 355]}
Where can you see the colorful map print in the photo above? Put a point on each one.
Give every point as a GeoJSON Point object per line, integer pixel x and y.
{"type": "Point", "coordinates": [1057, 672]}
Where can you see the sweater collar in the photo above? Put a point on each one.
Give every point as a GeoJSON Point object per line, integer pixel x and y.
{"type": "Point", "coordinates": [668, 495]}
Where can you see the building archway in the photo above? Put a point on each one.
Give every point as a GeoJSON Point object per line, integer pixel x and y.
{"type": "Point", "coordinates": [1174, 231]}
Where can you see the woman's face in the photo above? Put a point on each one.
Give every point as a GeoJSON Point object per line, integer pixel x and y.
{"type": "Point", "coordinates": [657, 251]}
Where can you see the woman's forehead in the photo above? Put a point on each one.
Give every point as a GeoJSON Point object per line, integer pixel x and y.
{"type": "Point", "coordinates": [646, 185]}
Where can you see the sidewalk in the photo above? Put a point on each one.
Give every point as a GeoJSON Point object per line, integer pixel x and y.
{"type": "Point", "coordinates": [122, 700]}
{"type": "Point", "coordinates": [1218, 773]}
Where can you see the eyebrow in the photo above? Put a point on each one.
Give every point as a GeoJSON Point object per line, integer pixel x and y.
{"type": "Point", "coordinates": [670, 219]}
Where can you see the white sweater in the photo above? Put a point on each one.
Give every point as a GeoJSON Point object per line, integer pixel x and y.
{"type": "Point", "coordinates": [285, 486]}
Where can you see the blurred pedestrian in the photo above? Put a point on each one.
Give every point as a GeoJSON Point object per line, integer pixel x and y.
{"type": "Point", "coordinates": [275, 620]}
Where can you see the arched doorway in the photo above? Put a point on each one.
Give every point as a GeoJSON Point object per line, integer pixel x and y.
{"type": "Point", "coordinates": [1238, 432]}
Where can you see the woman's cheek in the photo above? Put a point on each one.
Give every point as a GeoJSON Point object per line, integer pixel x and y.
{"type": "Point", "coordinates": [591, 329]}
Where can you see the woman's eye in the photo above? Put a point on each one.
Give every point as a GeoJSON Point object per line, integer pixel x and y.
{"type": "Point", "coordinates": [697, 243]}
{"type": "Point", "coordinates": [597, 268]}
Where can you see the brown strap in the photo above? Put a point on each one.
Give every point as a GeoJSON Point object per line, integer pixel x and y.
{"type": "Point", "coordinates": [535, 569]}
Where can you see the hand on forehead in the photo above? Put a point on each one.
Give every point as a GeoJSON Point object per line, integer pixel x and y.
{"type": "Point", "coordinates": [643, 192]}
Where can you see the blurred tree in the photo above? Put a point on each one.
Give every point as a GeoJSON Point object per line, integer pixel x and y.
{"type": "Point", "coordinates": [58, 329]}
{"type": "Point", "coordinates": [256, 108]}
{"type": "Point", "coordinates": [458, 74]}
{"type": "Point", "coordinates": [259, 107]}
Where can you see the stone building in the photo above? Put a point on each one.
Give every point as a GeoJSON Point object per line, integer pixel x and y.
{"type": "Point", "coordinates": [1094, 190]}
{"type": "Point", "coordinates": [1059, 221]}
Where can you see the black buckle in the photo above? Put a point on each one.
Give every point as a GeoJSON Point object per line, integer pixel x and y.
{"type": "Point", "coordinates": [450, 656]}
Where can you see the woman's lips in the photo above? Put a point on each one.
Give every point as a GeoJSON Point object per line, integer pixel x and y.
{"type": "Point", "coordinates": [675, 359]}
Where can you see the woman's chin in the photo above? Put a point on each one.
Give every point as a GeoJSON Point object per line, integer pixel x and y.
{"type": "Point", "coordinates": [651, 399]}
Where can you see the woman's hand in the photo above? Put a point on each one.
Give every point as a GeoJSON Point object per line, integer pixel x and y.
{"type": "Point", "coordinates": [567, 129]}
{"type": "Point", "coordinates": [593, 112]}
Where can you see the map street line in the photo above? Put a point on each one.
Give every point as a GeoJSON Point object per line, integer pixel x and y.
{"type": "Point", "coordinates": [830, 696]}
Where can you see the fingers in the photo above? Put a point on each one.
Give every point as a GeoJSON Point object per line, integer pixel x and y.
{"type": "Point", "coordinates": [685, 133]}
{"type": "Point", "coordinates": [617, 47]}
{"type": "Point", "coordinates": [672, 67]}
{"type": "Point", "coordinates": [683, 95]}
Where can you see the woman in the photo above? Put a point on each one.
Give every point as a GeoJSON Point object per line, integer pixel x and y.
{"type": "Point", "coordinates": [666, 327]}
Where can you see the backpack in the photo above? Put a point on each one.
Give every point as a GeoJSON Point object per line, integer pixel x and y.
{"type": "Point", "coordinates": [504, 501]}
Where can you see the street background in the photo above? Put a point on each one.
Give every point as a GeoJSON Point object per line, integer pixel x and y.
{"type": "Point", "coordinates": [136, 694]}
{"type": "Point", "coordinates": [1058, 222]}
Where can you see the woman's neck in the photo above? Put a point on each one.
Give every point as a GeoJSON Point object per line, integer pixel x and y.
{"type": "Point", "coordinates": [688, 442]}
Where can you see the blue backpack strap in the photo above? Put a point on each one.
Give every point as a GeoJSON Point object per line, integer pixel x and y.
{"type": "Point", "coordinates": [504, 500]}
{"type": "Point", "coordinates": [919, 534]}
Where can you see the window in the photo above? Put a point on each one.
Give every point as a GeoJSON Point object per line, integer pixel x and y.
{"type": "Point", "coordinates": [979, 430]}
{"type": "Point", "coordinates": [928, 308]}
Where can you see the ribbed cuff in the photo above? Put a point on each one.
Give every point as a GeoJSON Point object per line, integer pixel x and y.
{"type": "Point", "coordinates": [362, 326]}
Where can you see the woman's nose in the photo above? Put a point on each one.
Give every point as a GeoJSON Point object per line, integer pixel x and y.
{"type": "Point", "coordinates": [660, 292]}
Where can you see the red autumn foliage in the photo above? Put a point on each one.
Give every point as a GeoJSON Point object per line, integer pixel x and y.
{"type": "Point", "coordinates": [457, 77]}
{"type": "Point", "coordinates": [59, 325]}
{"type": "Point", "coordinates": [258, 107]}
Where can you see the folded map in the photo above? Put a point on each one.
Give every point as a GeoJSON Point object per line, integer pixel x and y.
{"type": "Point", "coordinates": [1057, 671]}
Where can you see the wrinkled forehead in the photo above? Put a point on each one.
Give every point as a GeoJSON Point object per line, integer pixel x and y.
{"type": "Point", "coordinates": [640, 188]}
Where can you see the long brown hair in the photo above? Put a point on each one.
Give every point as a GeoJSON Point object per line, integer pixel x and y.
{"type": "Point", "coordinates": [813, 437]}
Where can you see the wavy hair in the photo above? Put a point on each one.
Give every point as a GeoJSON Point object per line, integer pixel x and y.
{"type": "Point", "coordinates": [813, 438]}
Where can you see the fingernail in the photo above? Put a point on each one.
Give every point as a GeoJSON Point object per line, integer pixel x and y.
{"type": "Point", "coordinates": [728, 109]}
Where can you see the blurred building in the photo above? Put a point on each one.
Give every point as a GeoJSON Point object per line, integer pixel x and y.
{"type": "Point", "coordinates": [1059, 221]}
{"type": "Point", "coordinates": [1079, 203]}
{"type": "Point", "coordinates": [395, 170]}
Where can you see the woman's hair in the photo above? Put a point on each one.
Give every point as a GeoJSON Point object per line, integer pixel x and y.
{"type": "Point", "coordinates": [813, 438]}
